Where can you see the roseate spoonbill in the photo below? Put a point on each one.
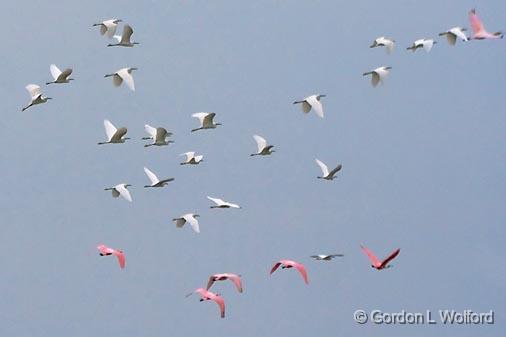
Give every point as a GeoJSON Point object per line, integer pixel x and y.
{"type": "Point", "coordinates": [225, 276]}
{"type": "Point", "coordinates": [222, 204]}
{"type": "Point", "coordinates": [322, 257]}
{"type": "Point", "coordinates": [190, 218]}
{"type": "Point", "coordinates": [120, 189]}
{"type": "Point", "coordinates": [325, 170]}
{"type": "Point", "coordinates": [285, 264]}
{"type": "Point", "coordinates": [378, 75]}
{"type": "Point", "coordinates": [124, 74]}
{"type": "Point", "coordinates": [35, 95]}
{"type": "Point", "coordinates": [59, 76]}
{"type": "Point", "coordinates": [191, 158]}
{"type": "Point", "coordinates": [106, 251]}
{"type": "Point", "coordinates": [114, 136]}
{"type": "Point", "coordinates": [206, 120]}
{"type": "Point", "coordinates": [108, 27]}
{"type": "Point", "coordinates": [426, 44]}
{"type": "Point", "coordinates": [123, 40]}
{"type": "Point", "coordinates": [312, 102]}
{"type": "Point", "coordinates": [454, 33]}
{"type": "Point", "coordinates": [158, 135]}
{"type": "Point", "coordinates": [376, 263]}
{"type": "Point", "coordinates": [384, 42]}
{"type": "Point", "coordinates": [155, 182]}
{"type": "Point", "coordinates": [479, 32]}
{"type": "Point", "coordinates": [206, 295]}
{"type": "Point", "coordinates": [263, 148]}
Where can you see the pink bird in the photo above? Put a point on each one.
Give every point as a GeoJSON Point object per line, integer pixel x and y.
{"type": "Point", "coordinates": [285, 264]}
{"type": "Point", "coordinates": [376, 263]}
{"type": "Point", "coordinates": [226, 276]}
{"type": "Point", "coordinates": [207, 295]}
{"type": "Point", "coordinates": [479, 32]}
{"type": "Point", "coordinates": [105, 251]}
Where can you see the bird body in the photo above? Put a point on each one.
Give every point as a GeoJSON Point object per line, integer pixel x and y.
{"type": "Point", "coordinates": [123, 40]}
{"type": "Point", "coordinates": [384, 42]}
{"type": "Point", "coordinates": [378, 75]}
{"type": "Point", "coordinates": [190, 218]}
{"type": "Point", "coordinates": [325, 170]}
{"type": "Point", "coordinates": [155, 182]}
{"type": "Point", "coordinates": [426, 44]}
{"type": "Point", "coordinates": [312, 103]}
{"type": "Point", "coordinates": [479, 31]}
{"type": "Point", "coordinates": [114, 136]}
{"type": "Point", "coordinates": [36, 96]}
{"type": "Point", "coordinates": [323, 257]}
{"type": "Point", "coordinates": [108, 27]}
{"type": "Point", "coordinates": [206, 120]}
{"type": "Point", "coordinates": [158, 135]}
{"type": "Point", "coordinates": [120, 190]}
{"type": "Point", "coordinates": [286, 264]}
{"type": "Point", "coordinates": [236, 279]}
{"type": "Point", "coordinates": [124, 74]}
{"type": "Point", "coordinates": [222, 204]}
{"type": "Point", "coordinates": [106, 251]}
{"type": "Point", "coordinates": [377, 263]}
{"type": "Point", "coordinates": [59, 76]}
{"type": "Point", "coordinates": [191, 158]}
{"type": "Point", "coordinates": [263, 148]}
{"type": "Point", "coordinates": [454, 33]}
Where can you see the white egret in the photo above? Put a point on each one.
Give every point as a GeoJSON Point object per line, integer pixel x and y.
{"type": "Point", "coordinates": [263, 148]}
{"type": "Point", "coordinates": [384, 42]}
{"type": "Point", "coordinates": [108, 27]}
{"type": "Point", "coordinates": [325, 170]}
{"type": "Point", "coordinates": [114, 136]}
{"type": "Point", "coordinates": [426, 44]}
{"type": "Point", "coordinates": [222, 204]}
{"type": "Point", "coordinates": [60, 76]}
{"type": "Point", "coordinates": [35, 95]}
{"type": "Point", "coordinates": [123, 40]}
{"type": "Point", "coordinates": [324, 257]}
{"type": "Point", "coordinates": [191, 158]}
{"type": "Point", "coordinates": [158, 135]}
{"type": "Point", "coordinates": [312, 102]}
{"type": "Point", "coordinates": [378, 75]}
{"type": "Point", "coordinates": [120, 189]}
{"type": "Point", "coordinates": [190, 218]}
{"type": "Point", "coordinates": [454, 33]}
{"type": "Point", "coordinates": [206, 120]}
{"type": "Point", "coordinates": [124, 74]}
{"type": "Point", "coordinates": [155, 182]}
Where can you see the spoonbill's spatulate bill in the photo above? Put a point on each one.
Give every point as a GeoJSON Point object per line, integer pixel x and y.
{"type": "Point", "coordinates": [377, 263]}
{"type": "Point", "coordinates": [236, 279]}
{"type": "Point", "coordinates": [124, 74]}
{"type": "Point", "coordinates": [120, 190]}
{"type": "Point", "coordinates": [106, 251]}
{"type": "Point", "coordinates": [123, 40]}
{"type": "Point", "coordinates": [108, 27]}
{"type": "Point", "coordinates": [206, 295]}
{"type": "Point", "coordinates": [378, 75]}
{"type": "Point", "coordinates": [191, 219]}
{"type": "Point", "coordinates": [312, 103]}
{"type": "Point", "coordinates": [155, 182]}
{"type": "Point", "coordinates": [222, 204]}
{"type": "Point", "coordinates": [425, 44]}
{"type": "Point", "coordinates": [36, 96]}
{"type": "Point", "coordinates": [158, 135]}
{"type": "Point", "coordinates": [324, 257]}
{"type": "Point", "coordinates": [206, 120]}
{"type": "Point", "coordinates": [384, 42]}
{"type": "Point", "coordinates": [263, 148]}
{"type": "Point", "coordinates": [286, 264]}
{"type": "Point", "coordinates": [453, 34]}
{"type": "Point", "coordinates": [114, 136]}
{"type": "Point", "coordinates": [59, 76]}
{"type": "Point", "coordinates": [479, 31]}
{"type": "Point", "coordinates": [191, 158]}
{"type": "Point", "coordinates": [325, 171]}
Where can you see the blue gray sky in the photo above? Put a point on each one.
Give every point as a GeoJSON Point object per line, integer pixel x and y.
{"type": "Point", "coordinates": [423, 168]}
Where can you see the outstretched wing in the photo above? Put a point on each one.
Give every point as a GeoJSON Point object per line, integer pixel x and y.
{"type": "Point", "coordinates": [261, 142]}
{"type": "Point", "coordinates": [33, 90]}
{"type": "Point", "coordinates": [127, 77]}
{"type": "Point", "coordinates": [221, 303]}
{"type": "Point", "coordinates": [200, 116]}
{"type": "Point", "coordinates": [302, 270]}
{"type": "Point", "coordinates": [316, 105]}
{"type": "Point", "coordinates": [236, 279]}
{"type": "Point", "coordinates": [323, 167]}
{"type": "Point", "coordinates": [110, 129]}
{"type": "Point", "coordinates": [189, 155]}
{"type": "Point", "coordinates": [192, 221]}
{"type": "Point", "coordinates": [127, 33]}
{"type": "Point", "coordinates": [391, 257]}
{"type": "Point", "coordinates": [475, 22]}
{"type": "Point", "coordinates": [152, 177]}
{"type": "Point", "coordinates": [217, 201]}
{"type": "Point", "coordinates": [124, 192]}
{"type": "Point", "coordinates": [55, 72]}
{"type": "Point", "coordinates": [374, 260]}
{"type": "Point", "coordinates": [276, 266]}
{"type": "Point", "coordinates": [150, 130]}
{"type": "Point", "coordinates": [208, 120]}
{"type": "Point", "coordinates": [121, 258]}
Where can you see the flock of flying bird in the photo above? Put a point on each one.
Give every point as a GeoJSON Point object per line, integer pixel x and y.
{"type": "Point", "coordinates": [159, 137]}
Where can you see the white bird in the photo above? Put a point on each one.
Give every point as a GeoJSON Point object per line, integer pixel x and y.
{"type": "Point", "coordinates": [114, 136]}
{"type": "Point", "coordinates": [263, 148]}
{"type": "Point", "coordinates": [206, 120]}
{"type": "Point", "coordinates": [378, 75]}
{"type": "Point", "coordinates": [312, 102]}
{"type": "Point", "coordinates": [384, 42]}
{"type": "Point", "coordinates": [191, 158]}
{"type": "Point", "coordinates": [222, 204]}
{"type": "Point", "coordinates": [190, 218]}
{"type": "Point", "coordinates": [35, 95]}
{"type": "Point", "coordinates": [108, 27]}
{"type": "Point", "coordinates": [453, 34]}
{"type": "Point", "coordinates": [124, 74]}
{"type": "Point", "coordinates": [158, 135]}
{"type": "Point", "coordinates": [325, 171]}
{"type": "Point", "coordinates": [120, 189]}
{"type": "Point", "coordinates": [323, 257]}
{"type": "Point", "coordinates": [426, 44]}
{"type": "Point", "coordinates": [60, 76]}
{"type": "Point", "coordinates": [155, 182]}
{"type": "Point", "coordinates": [123, 40]}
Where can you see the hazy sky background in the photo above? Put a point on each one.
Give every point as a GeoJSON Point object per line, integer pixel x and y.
{"type": "Point", "coordinates": [423, 168]}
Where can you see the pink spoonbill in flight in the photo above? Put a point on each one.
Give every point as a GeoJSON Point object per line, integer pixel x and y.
{"type": "Point", "coordinates": [207, 295]}
{"type": "Point", "coordinates": [376, 263]}
{"type": "Point", "coordinates": [225, 276]}
{"type": "Point", "coordinates": [285, 264]}
{"type": "Point", "coordinates": [479, 32]}
{"type": "Point", "coordinates": [106, 251]}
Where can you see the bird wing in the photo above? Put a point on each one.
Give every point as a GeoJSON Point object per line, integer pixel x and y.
{"type": "Point", "coordinates": [229, 204]}
{"type": "Point", "coordinates": [217, 201]}
{"type": "Point", "coordinates": [375, 78]}
{"type": "Point", "coordinates": [150, 130]}
{"type": "Point", "coordinates": [336, 255]}
{"type": "Point", "coordinates": [161, 133]}
{"type": "Point", "coordinates": [316, 105]}
{"type": "Point", "coordinates": [192, 221]}
{"type": "Point", "coordinates": [323, 167]}
{"type": "Point", "coordinates": [198, 158]}
{"type": "Point", "coordinates": [337, 169]}
{"type": "Point", "coordinates": [374, 260]}
{"type": "Point", "coordinates": [110, 129]}
{"type": "Point", "coordinates": [33, 90]}
{"type": "Point", "coordinates": [236, 279]}
{"type": "Point", "coordinates": [121, 258]}
{"type": "Point", "coordinates": [115, 193]}
{"type": "Point", "coordinates": [152, 177]}
{"type": "Point", "coordinates": [261, 142]}
{"type": "Point", "coordinates": [276, 266]}
{"type": "Point", "coordinates": [391, 257]}
{"type": "Point", "coordinates": [64, 74]}
{"type": "Point", "coordinates": [123, 192]}
{"type": "Point", "coordinates": [475, 22]}
{"type": "Point", "coordinates": [108, 27]}
{"type": "Point", "coordinates": [427, 45]}
{"type": "Point", "coordinates": [127, 77]}
{"type": "Point", "coordinates": [117, 80]}
{"type": "Point", "coordinates": [55, 72]}
{"type": "Point", "coordinates": [389, 44]}
{"type": "Point", "coordinates": [457, 31]}
{"type": "Point", "coordinates": [179, 222]}
{"type": "Point", "coordinates": [452, 38]}
{"type": "Point", "coordinates": [221, 303]}
{"type": "Point", "coordinates": [210, 282]}
{"type": "Point", "coordinates": [127, 33]}
{"type": "Point", "coordinates": [189, 155]}
{"type": "Point", "coordinates": [103, 249]}
{"type": "Point", "coordinates": [118, 135]}
{"type": "Point", "coordinates": [302, 270]}
{"type": "Point", "coordinates": [306, 107]}
{"type": "Point", "coordinates": [208, 119]}
{"type": "Point", "coordinates": [200, 116]}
